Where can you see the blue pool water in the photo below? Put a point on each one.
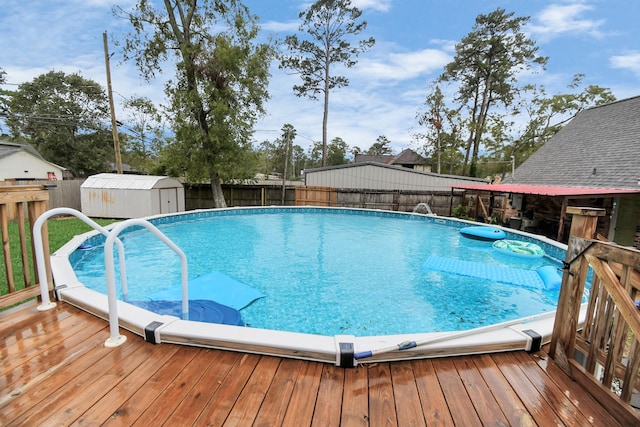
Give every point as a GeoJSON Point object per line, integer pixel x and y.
{"type": "Point", "coordinates": [331, 271]}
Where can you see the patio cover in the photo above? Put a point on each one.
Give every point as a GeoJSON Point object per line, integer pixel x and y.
{"type": "Point", "coordinates": [553, 191]}
{"type": "Point", "coordinates": [547, 190]}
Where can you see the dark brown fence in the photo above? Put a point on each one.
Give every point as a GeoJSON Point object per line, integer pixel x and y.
{"type": "Point", "coordinates": [198, 196]}
{"type": "Point", "coordinates": [441, 203]}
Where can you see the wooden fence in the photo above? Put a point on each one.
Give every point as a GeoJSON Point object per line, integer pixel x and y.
{"type": "Point", "coordinates": [441, 203]}
{"type": "Point", "coordinates": [67, 194]}
{"type": "Point", "coordinates": [34, 200]}
{"type": "Point", "coordinates": [316, 196]}
{"type": "Point", "coordinates": [64, 193]}
{"type": "Point", "coordinates": [603, 353]}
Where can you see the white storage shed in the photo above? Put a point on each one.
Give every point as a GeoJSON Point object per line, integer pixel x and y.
{"type": "Point", "coordinates": [109, 195]}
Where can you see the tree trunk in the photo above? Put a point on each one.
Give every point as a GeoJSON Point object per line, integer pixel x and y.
{"type": "Point", "coordinates": [481, 123]}
{"type": "Point", "coordinates": [466, 155]}
{"type": "Point", "coordinates": [472, 135]}
{"type": "Point", "coordinates": [216, 191]}
{"type": "Point", "coordinates": [325, 114]}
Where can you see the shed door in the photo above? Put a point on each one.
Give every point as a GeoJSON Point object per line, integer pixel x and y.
{"type": "Point", "coordinates": [168, 200]}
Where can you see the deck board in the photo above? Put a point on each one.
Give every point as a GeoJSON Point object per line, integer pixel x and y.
{"type": "Point", "coordinates": [487, 407]}
{"type": "Point", "coordinates": [217, 368]}
{"type": "Point", "coordinates": [382, 406]}
{"type": "Point", "coordinates": [510, 404]}
{"type": "Point", "coordinates": [248, 402]}
{"type": "Point", "coordinates": [406, 396]}
{"type": "Point", "coordinates": [458, 400]}
{"type": "Point", "coordinates": [142, 398]}
{"type": "Point", "coordinates": [222, 402]}
{"type": "Point", "coordinates": [56, 371]}
{"type": "Point", "coordinates": [23, 368]}
{"type": "Point", "coordinates": [535, 402]}
{"type": "Point", "coordinates": [275, 404]}
{"type": "Point", "coordinates": [433, 401]}
{"type": "Point", "coordinates": [586, 403]}
{"type": "Point", "coordinates": [329, 399]}
{"type": "Point", "coordinates": [560, 403]}
{"type": "Point", "coordinates": [113, 401]}
{"type": "Point", "coordinates": [355, 397]}
{"type": "Point", "coordinates": [301, 406]}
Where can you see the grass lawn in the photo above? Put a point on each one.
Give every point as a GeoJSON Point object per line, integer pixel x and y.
{"type": "Point", "coordinates": [61, 230]}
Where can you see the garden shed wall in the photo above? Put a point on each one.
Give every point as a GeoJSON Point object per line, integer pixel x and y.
{"type": "Point", "coordinates": [130, 196]}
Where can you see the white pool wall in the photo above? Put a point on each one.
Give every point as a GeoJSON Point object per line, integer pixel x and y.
{"type": "Point", "coordinates": [497, 338]}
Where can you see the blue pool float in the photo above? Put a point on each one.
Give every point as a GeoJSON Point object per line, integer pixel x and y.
{"type": "Point", "coordinates": [519, 248]}
{"type": "Point", "coordinates": [483, 232]}
{"type": "Point", "coordinates": [199, 310]}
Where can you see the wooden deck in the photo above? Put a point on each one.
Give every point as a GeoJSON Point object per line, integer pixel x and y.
{"type": "Point", "coordinates": [56, 371]}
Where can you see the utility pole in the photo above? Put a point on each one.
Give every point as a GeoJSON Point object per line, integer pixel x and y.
{"type": "Point", "coordinates": [114, 126]}
{"type": "Point", "coordinates": [287, 141]}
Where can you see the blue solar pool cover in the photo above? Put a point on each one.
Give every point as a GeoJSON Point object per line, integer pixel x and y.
{"type": "Point", "coordinates": [496, 273]}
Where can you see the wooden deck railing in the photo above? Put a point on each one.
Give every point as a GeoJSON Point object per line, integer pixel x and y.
{"type": "Point", "coordinates": [602, 352]}
{"type": "Point", "coordinates": [12, 205]}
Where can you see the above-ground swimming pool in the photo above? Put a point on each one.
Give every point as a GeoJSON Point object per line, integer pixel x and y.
{"type": "Point", "coordinates": [323, 272]}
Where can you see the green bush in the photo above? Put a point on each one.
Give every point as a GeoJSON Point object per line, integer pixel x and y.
{"type": "Point", "coordinates": [461, 212]}
{"type": "Point", "coordinates": [61, 230]}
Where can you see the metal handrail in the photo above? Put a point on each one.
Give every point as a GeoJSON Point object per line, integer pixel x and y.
{"type": "Point", "coordinates": [115, 339]}
{"type": "Point", "coordinates": [38, 248]}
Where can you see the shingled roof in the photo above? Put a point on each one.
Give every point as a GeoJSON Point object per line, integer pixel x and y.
{"type": "Point", "coordinates": [600, 147]}
{"type": "Point", "coordinates": [407, 157]}
{"type": "Point", "coordinates": [9, 148]}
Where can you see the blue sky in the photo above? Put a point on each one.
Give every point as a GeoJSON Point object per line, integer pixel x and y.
{"type": "Point", "coordinates": [414, 40]}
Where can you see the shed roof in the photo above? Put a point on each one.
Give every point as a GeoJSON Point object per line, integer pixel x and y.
{"type": "Point", "coordinates": [393, 167]}
{"type": "Point", "coordinates": [129, 182]}
{"type": "Point", "coordinates": [547, 190]}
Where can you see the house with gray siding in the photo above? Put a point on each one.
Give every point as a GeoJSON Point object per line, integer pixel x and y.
{"type": "Point", "coordinates": [380, 176]}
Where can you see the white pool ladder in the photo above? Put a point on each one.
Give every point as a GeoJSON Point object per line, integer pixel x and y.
{"type": "Point", "coordinates": [38, 247]}
{"type": "Point", "coordinates": [115, 339]}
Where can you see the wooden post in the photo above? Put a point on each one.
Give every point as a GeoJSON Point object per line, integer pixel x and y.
{"type": "Point", "coordinates": [36, 209]}
{"type": "Point", "coordinates": [583, 224]}
{"type": "Point", "coordinates": [4, 219]}
{"type": "Point", "coordinates": [563, 215]}
{"type": "Point", "coordinates": [485, 212]}
{"type": "Point", "coordinates": [23, 245]}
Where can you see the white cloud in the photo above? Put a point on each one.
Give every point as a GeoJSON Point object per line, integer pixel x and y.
{"type": "Point", "coordinates": [447, 45]}
{"type": "Point", "coordinates": [357, 115]}
{"type": "Point", "coordinates": [556, 20]}
{"type": "Point", "coordinates": [379, 5]}
{"type": "Point", "coordinates": [629, 61]}
{"type": "Point", "coordinates": [403, 66]}
{"type": "Point", "coordinates": [289, 26]}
